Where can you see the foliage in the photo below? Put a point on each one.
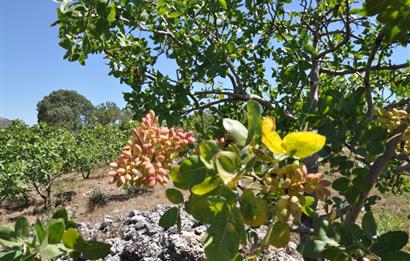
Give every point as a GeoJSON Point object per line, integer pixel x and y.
{"type": "Point", "coordinates": [394, 14]}
{"type": "Point", "coordinates": [48, 241]}
{"type": "Point", "coordinates": [11, 175]}
{"type": "Point", "coordinates": [276, 193]}
{"type": "Point", "coordinates": [32, 158]}
{"type": "Point", "coordinates": [336, 242]}
{"type": "Point", "coordinates": [313, 65]}
{"type": "Point", "coordinates": [223, 52]}
{"type": "Point", "coordinates": [64, 108]}
{"type": "Point", "coordinates": [96, 145]}
{"type": "Point", "coordinates": [96, 198]}
{"type": "Point", "coordinates": [106, 113]}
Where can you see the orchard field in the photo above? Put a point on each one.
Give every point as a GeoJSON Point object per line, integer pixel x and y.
{"type": "Point", "coordinates": [275, 124]}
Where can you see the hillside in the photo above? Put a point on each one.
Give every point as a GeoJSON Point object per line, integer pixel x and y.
{"type": "Point", "coordinates": [4, 122]}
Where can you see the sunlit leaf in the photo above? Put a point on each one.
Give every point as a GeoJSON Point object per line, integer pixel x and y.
{"type": "Point", "coordinates": [236, 131]}
{"type": "Point", "coordinates": [227, 165]}
{"type": "Point", "coordinates": [303, 144]}
{"type": "Point", "coordinates": [270, 137]}
{"type": "Point", "coordinates": [208, 185]}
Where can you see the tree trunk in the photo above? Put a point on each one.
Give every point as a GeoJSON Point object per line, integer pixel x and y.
{"type": "Point", "coordinates": [312, 167]}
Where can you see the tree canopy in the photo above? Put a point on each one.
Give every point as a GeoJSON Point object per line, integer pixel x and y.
{"type": "Point", "coordinates": [229, 51]}
{"type": "Point", "coordinates": [323, 65]}
{"type": "Point", "coordinates": [107, 113]}
{"type": "Point", "coordinates": [65, 108]}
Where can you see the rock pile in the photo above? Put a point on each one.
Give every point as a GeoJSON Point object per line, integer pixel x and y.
{"type": "Point", "coordinates": [139, 237]}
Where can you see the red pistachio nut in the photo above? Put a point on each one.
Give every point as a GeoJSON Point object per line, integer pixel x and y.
{"type": "Point", "coordinates": [146, 160]}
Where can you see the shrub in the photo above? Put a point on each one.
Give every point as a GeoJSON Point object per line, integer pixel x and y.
{"type": "Point", "coordinates": [96, 198]}
{"type": "Point", "coordinates": [48, 241]}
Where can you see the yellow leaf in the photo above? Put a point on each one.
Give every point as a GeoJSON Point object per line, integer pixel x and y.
{"type": "Point", "coordinates": [270, 137]}
{"type": "Point", "coordinates": [268, 124]}
{"type": "Point", "coordinates": [303, 144]}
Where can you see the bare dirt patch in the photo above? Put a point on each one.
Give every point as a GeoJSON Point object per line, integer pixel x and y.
{"type": "Point", "coordinates": [72, 192]}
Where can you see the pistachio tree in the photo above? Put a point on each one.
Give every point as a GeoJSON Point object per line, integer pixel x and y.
{"type": "Point", "coordinates": [324, 66]}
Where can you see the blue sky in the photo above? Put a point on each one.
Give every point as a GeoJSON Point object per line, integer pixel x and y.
{"type": "Point", "coordinates": [31, 63]}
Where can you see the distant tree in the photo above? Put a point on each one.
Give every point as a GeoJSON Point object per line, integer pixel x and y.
{"type": "Point", "coordinates": [107, 113]}
{"type": "Point", "coordinates": [65, 108]}
{"type": "Point", "coordinates": [126, 115]}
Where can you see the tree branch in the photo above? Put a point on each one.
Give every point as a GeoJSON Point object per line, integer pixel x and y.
{"type": "Point", "coordinates": [374, 172]}
{"type": "Point", "coordinates": [367, 87]}
{"type": "Point", "coordinates": [346, 35]}
{"type": "Point", "coordinates": [205, 106]}
{"type": "Point", "coordinates": [362, 69]}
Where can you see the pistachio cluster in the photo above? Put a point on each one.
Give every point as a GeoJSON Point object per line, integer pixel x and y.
{"type": "Point", "coordinates": [293, 181]}
{"type": "Point", "coordinates": [146, 160]}
{"type": "Point", "coordinates": [393, 118]}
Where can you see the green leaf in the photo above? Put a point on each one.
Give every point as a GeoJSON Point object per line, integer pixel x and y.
{"type": "Point", "coordinates": [396, 256]}
{"type": "Point", "coordinates": [92, 249]}
{"type": "Point", "coordinates": [254, 210]}
{"type": "Point", "coordinates": [191, 171]}
{"type": "Point", "coordinates": [373, 7]}
{"type": "Point", "coordinates": [303, 144]}
{"type": "Point", "coordinates": [254, 110]}
{"type": "Point", "coordinates": [207, 150]}
{"type": "Point", "coordinates": [208, 185]}
{"type": "Point", "coordinates": [369, 224]}
{"type": "Point", "coordinates": [40, 232]}
{"type": "Point", "coordinates": [174, 14]}
{"type": "Point", "coordinates": [70, 238]}
{"type": "Point", "coordinates": [169, 218]}
{"type": "Point", "coordinates": [10, 244]}
{"type": "Point", "coordinates": [222, 239]}
{"type": "Point", "coordinates": [310, 49]}
{"type": "Point", "coordinates": [309, 201]}
{"type": "Point", "coordinates": [222, 3]}
{"type": "Point", "coordinates": [238, 222]}
{"type": "Point", "coordinates": [390, 241]}
{"type": "Point", "coordinates": [6, 232]}
{"type": "Point", "coordinates": [227, 164]}
{"type": "Point", "coordinates": [312, 248]}
{"type": "Point", "coordinates": [280, 235]}
{"type": "Point", "coordinates": [238, 257]}
{"type": "Point", "coordinates": [49, 252]}
{"type": "Point", "coordinates": [306, 209]}
{"type": "Point", "coordinates": [361, 184]}
{"type": "Point", "coordinates": [174, 195]}
{"type": "Point", "coordinates": [335, 254]}
{"type": "Point", "coordinates": [112, 13]}
{"type": "Point", "coordinates": [352, 195]}
{"type": "Point", "coordinates": [55, 231]}
{"type": "Point", "coordinates": [236, 131]}
{"type": "Point", "coordinates": [341, 184]}
{"type": "Point", "coordinates": [71, 224]}
{"type": "Point", "coordinates": [61, 213]}
{"type": "Point", "coordinates": [207, 208]}
{"type": "Point", "coordinates": [22, 228]}
{"type": "Point", "coordinates": [10, 255]}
